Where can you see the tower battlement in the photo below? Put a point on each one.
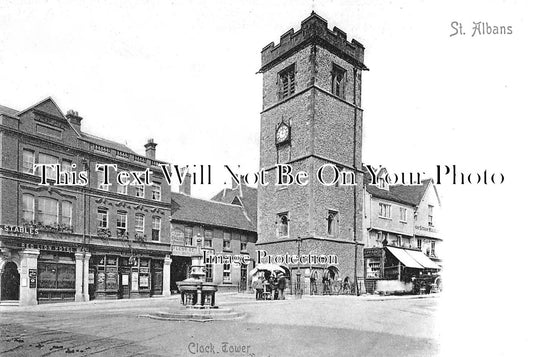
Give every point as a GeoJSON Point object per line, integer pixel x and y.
{"type": "Point", "coordinates": [314, 30]}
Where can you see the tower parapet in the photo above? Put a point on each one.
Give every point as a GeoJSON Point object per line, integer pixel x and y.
{"type": "Point", "coordinates": [314, 30]}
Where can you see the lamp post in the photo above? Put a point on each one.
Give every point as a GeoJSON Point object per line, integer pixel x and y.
{"type": "Point", "coordinates": [298, 273]}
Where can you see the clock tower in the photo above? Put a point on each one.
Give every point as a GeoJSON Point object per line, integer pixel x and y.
{"type": "Point", "coordinates": [312, 119]}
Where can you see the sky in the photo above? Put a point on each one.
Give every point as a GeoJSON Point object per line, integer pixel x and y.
{"type": "Point", "coordinates": [185, 74]}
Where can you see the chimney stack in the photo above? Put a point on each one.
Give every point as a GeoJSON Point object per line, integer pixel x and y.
{"type": "Point", "coordinates": [185, 186]}
{"type": "Point", "coordinates": [74, 119]}
{"type": "Point", "coordinates": [150, 149]}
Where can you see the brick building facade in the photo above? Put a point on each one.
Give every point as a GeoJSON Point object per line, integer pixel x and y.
{"type": "Point", "coordinates": [403, 219]}
{"type": "Point", "coordinates": [222, 226]}
{"type": "Point", "coordinates": [61, 243]}
{"type": "Point", "coordinates": [312, 117]}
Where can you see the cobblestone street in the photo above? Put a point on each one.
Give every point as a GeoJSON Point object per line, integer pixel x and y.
{"type": "Point", "coordinates": [314, 326]}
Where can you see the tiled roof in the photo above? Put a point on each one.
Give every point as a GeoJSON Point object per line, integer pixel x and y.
{"type": "Point", "coordinates": [8, 111]}
{"type": "Point", "coordinates": [248, 199]}
{"type": "Point", "coordinates": [406, 194]}
{"type": "Point", "coordinates": [189, 209]}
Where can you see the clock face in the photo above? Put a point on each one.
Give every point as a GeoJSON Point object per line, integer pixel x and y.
{"type": "Point", "coordinates": [282, 134]}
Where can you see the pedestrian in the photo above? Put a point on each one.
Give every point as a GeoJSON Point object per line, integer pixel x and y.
{"type": "Point", "coordinates": [281, 286]}
{"type": "Point", "coordinates": [274, 286]}
{"type": "Point", "coordinates": [258, 286]}
{"type": "Point", "coordinates": [325, 283]}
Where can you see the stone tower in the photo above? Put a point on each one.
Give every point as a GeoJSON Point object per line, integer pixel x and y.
{"type": "Point", "coordinates": [312, 117]}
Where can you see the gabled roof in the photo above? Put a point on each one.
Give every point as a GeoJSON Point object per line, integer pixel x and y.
{"type": "Point", "coordinates": [8, 111]}
{"type": "Point", "coordinates": [246, 194]}
{"type": "Point", "coordinates": [49, 106]}
{"type": "Point", "coordinates": [195, 210]}
{"type": "Point", "coordinates": [407, 194]}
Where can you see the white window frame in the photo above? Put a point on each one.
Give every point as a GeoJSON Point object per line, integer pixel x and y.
{"type": "Point", "coordinates": [100, 179]}
{"type": "Point", "coordinates": [139, 191]}
{"type": "Point", "coordinates": [139, 228]}
{"type": "Point", "coordinates": [226, 273]}
{"type": "Point", "coordinates": [125, 215]}
{"type": "Point", "coordinates": [48, 159]}
{"type": "Point", "coordinates": [30, 209]}
{"type": "Point", "coordinates": [208, 239]}
{"type": "Point", "coordinates": [69, 217]}
{"type": "Point", "coordinates": [384, 210]}
{"type": "Point", "coordinates": [156, 226]}
{"type": "Point", "coordinates": [25, 163]}
{"type": "Point", "coordinates": [102, 217]}
{"type": "Point", "coordinates": [404, 211]}
{"type": "Point", "coordinates": [156, 189]}
{"type": "Point", "coordinates": [41, 213]}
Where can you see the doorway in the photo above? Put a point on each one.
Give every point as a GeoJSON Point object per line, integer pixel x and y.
{"type": "Point", "coordinates": [179, 271]}
{"type": "Point", "coordinates": [10, 282]}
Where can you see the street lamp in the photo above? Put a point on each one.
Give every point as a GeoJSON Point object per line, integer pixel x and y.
{"type": "Point", "coordinates": [298, 273]}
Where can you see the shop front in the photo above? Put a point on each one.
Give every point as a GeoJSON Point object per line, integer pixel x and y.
{"type": "Point", "coordinates": [125, 277]}
{"type": "Point", "coordinates": [394, 269]}
{"type": "Point", "coordinates": [374, 258]}
{"type": "Point", "coordinates": [56, 277]}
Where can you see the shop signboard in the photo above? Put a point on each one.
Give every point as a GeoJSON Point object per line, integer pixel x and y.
{"type": "Point", "coordinates": [125, 279]}
{"type": "Point", "coordinates": [32, 273]}
{"type": "Point", "coordinates": [184, 251]}
{"type": "Point", "coordinates": [91, 278]}
{"type": "Point", "coordinates": [372, 252]}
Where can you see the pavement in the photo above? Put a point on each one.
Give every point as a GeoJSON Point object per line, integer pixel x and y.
{"type": "Point", "coordinates": [313, 325]}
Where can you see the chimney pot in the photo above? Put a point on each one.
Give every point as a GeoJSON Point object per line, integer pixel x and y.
{"type": "Point", "coordinates": [185, 186]}
{"type": "Point", "coordinates": [74, 119]}
{"type": "Point", "coordinates": [150, 149]}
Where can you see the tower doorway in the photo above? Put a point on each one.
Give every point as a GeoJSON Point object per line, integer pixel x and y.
{"type": "Point", "coordinates": [10, 282]}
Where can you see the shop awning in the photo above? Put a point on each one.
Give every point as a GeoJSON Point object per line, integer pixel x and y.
{"type": "Point", "coordinates": [403, 256]}
{"type": "Point", "coordinates": [263, 267]}
{"type": "Point", "coordinates": [422, 259]}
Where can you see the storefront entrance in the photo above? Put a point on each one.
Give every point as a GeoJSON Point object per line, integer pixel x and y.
{"type": "Point", "coordinates": [10, 282]}
{"type": "Point", "coordinates": [179, 271]}
{"type": "Point", "coordinates": [56, 281]}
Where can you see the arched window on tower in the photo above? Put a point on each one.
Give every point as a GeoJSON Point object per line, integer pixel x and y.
{"type": "Point", "coordinates": [283, 224]}
{"type": "Point", "coordinates": [333, 223]}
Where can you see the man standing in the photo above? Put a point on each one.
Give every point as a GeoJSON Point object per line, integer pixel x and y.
{"type": "Point", "coordinates": [281, 285]}
{"type": "Point", "coordinates": [273, 285]}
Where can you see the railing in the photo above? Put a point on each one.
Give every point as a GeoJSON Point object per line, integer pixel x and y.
{"type": "Point", "coordinates": [123, 154]}
{"type": "Point", "coordinates": [101, 148]}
